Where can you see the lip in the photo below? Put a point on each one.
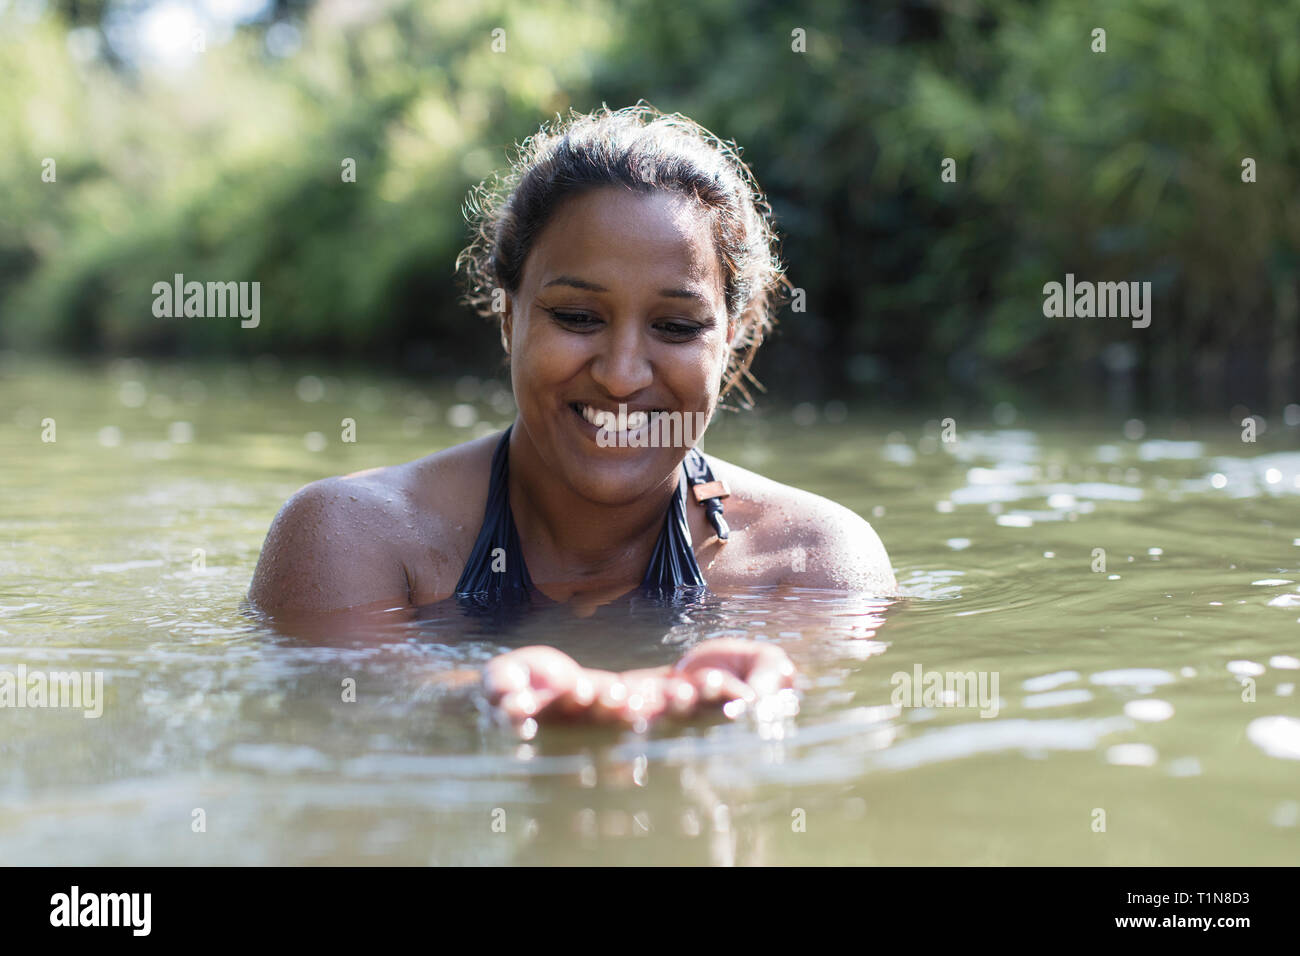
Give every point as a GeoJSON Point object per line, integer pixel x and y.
{"type": "Point", "coordinates": [602, 406]}
{"type": "Point", "coordinates": [592, 431]}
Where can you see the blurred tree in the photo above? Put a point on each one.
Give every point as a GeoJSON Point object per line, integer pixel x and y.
{"type": "Point", "coordinates": [1122, 165]}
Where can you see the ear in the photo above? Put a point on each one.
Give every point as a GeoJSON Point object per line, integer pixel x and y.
{"type": "Point", "coordinates": [507, 325]}
{"type": "Point", "coordinates": [733, 328]}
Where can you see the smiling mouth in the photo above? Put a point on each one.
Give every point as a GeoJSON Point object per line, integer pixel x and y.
{"type": "Point", "coordinates": [604, 418]}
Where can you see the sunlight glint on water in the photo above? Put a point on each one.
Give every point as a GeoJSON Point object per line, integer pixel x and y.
{"type": "Point", "coordinates": [1154, 681]}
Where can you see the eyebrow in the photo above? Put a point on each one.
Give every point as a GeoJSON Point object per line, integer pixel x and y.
{"type": "Point", "coordinates": [576, 283]}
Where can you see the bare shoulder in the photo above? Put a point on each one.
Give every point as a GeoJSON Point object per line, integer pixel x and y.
{"type": "Point", "coordinates": [388, 535]}
{"type": "Point", "coordinates": [795, 537]}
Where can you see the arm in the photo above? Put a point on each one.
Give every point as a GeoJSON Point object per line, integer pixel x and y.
{"type": "Point", "coordinates": [838, 550]}
{"type": "Point", "coordinates": [326, 551]}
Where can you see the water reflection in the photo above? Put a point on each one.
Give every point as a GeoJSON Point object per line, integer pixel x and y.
{"type": "Point", "coordinates": [1140, 613]}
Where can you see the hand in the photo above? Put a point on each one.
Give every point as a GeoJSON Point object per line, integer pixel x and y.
{"type": "Point", "coordinates": [546, 684]}
{"type": "Point", "coordinates": [730, 668]}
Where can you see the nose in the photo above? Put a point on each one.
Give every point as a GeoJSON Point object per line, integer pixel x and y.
{"type": "Point", "coordinates": [622, 365]}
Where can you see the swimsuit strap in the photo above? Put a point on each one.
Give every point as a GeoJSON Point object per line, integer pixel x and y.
{"type": "Point", "coordinates": [495, 570]}
{"type": "Point", "coordinates": [673, 564]}
{"type": "Point", "coordinates": [497, 573]}
{"type": "Point", "coordinates": [707, 490]}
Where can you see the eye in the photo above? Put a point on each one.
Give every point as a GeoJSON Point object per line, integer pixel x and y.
{"type": "Point", "coordinates": [574, 320]}
{"type": "Point", "coordinates": [681, 331]}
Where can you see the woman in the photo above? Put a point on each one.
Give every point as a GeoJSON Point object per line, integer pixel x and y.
{"type": "Point", "coordinates": [631, 265]}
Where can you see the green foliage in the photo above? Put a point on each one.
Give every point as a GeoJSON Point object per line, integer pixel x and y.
{"type": "Point", "coordinates": [1122, 165]}
{"type": "Point", "coordinates": [232, 170]}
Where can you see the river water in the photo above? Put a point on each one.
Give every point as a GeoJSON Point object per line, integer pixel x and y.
{"type": "Point", "coordinates": [1101, 621]}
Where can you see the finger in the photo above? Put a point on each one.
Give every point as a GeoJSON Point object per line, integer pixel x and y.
{"type": "Point", "coordinates": [736, 655]}
{"type": "Point", "coordinates": [730, 647]}
{"type": "Point", "coordinates": [717, 686]}
{"type": "Point", "coordinates": [764, 666]}
{"type": "Point", "coordinates": [504, 675]}
{"type": "Point", "coordinates": [682, 697]}
{"type": "Point", "coordinates": [704, 657]}
{"type": "Point", "coordinates": [522, 704]}
{"type": "Point", "coordinates": [574, 702]}
{"type": "Point", "coordinates": [771, 673]}
{"type": "Point", "coordinates": [551, 668]}
{"type": "Point", "coordinates": [610, 703]}
{"type": "Point", "coordinates": [646, 699]}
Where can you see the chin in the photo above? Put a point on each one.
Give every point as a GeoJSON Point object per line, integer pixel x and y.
{"type": "Point", "coordinates": [607, 475]}
{"type": "Point", "coordinates": [618, 476]}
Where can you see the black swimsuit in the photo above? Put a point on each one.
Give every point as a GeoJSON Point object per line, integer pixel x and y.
{"type": "Point", "coordinates": [496, 574]}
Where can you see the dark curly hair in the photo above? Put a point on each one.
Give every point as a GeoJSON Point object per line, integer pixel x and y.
{"type": "Point", "coordinates": [640, 148]}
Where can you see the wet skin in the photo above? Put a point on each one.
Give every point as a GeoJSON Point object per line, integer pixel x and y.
{"type": "Point", "coordinates": [621, 301]}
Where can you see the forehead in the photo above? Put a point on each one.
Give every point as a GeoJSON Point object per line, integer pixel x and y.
{"type": "Point", "coordinates": [624, 239]}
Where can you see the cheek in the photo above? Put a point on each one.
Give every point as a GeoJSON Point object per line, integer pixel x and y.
{"type": "Point", "coordinates": [700, 375]}
{"type": "Point", "coordinates": [542, 357]}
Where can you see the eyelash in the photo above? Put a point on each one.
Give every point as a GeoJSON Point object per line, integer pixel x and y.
{"type": "Point", "coordinates": [679, 330]}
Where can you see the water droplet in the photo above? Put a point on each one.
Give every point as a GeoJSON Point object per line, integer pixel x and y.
{"type": "Point", "coordinates": [1132, 755]}
{"type": "Point", "coordinates": [1151, 710]}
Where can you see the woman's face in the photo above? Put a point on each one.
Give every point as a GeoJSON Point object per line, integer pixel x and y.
{"type": "Point", "coordinates": [621, 301]}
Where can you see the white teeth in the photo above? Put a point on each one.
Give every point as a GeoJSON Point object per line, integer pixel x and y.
{"type": "Point", "coordinates": [607, 419]}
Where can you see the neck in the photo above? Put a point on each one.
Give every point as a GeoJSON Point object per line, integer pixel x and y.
{"type": "Point", "coordinates": [570, 539]}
